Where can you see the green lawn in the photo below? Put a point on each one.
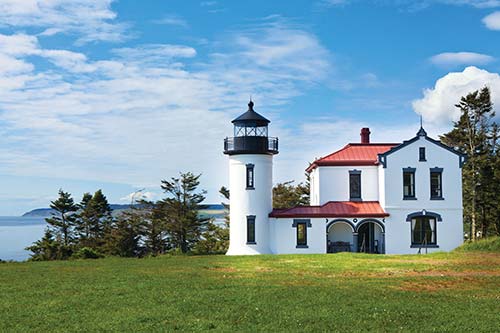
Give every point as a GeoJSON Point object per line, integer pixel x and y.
{"type": "Point", "coordinates": [452, 292]}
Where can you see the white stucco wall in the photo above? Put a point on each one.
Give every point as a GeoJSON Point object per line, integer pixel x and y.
{"type": "Point", "coordinates": [334, 183]}
{"type": "Point", "coordinates": [284, 237]}
{"type": "Point", "coordinates": [450, 230]}
{"type": "Point", "coordinates": [244, 202]}
{"type": "Point", "coordinates": [314, 189]}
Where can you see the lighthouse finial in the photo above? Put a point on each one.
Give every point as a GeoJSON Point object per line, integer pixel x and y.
{"type": "Point", "coordinates": [250, 104]}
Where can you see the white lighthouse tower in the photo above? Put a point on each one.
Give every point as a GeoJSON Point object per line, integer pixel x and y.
{"type": "Point", "coordinates": [250, 153]}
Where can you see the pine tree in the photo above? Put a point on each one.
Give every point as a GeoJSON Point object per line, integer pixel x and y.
{"type": "Point", "coordinates": [180, 210]}
{"type": "Point", "coordinates": [287, 195]}
{"type": "Point", "coordinates": [62, 220]}
{"type": "Point", "coordinates": [46, 248]}
{"type": "Point", "coordinates": [125, 234]}
{"type": "Point", "coordinates": [472, 135]}
{"type": "Point", "coordinates": [83, 221]}
{"type": "Point", "coordinates": [154, 228]}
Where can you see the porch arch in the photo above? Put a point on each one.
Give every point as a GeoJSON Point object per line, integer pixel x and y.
{"type": "Point", "coordinates": [331, 223]}
{"type": "Point", "coordinates": [377, 222]}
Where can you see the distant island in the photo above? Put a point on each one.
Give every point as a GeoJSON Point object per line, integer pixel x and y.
{"type": "Point", "coordinates": [213, 210]}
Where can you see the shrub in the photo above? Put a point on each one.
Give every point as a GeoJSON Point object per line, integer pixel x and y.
{"type": "Point", "coordinates": [87, 253]}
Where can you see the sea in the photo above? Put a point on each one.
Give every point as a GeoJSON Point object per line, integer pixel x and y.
{"type": "Point", "coordinates": [16, 233]}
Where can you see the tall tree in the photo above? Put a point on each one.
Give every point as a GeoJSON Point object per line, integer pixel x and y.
{"type": "Point", "coordinates": [472, 134]}
{"type": "Point", "coordinates": [47, 248]}
{"type": "Point", "coordinates": [287, 195]}
{"type": "Point", "coordinates": [180, 210]}
{"type": "Point", "coordinates": [63, 219]}
{"type": "Point", "coordinates": [83, 222]}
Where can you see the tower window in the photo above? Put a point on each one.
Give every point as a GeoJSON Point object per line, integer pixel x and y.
{"type": "Point", "coordinates": [408, 183]}
{"type": "Point", "coordinates": [421, 154]}
{"type": "Point", "coordinates": [250, 177]}
{"type": "Point", "coordinates": [251, 229]}
{"type": "Point", "coordinates": [436, 184]}
{"type": "Point", "coordinates": [355, 185]}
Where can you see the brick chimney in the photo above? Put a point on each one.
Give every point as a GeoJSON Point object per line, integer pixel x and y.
{"type": "Point", "coordinates": [365, 135]}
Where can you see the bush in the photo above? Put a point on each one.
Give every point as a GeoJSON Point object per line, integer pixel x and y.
{"type": "Point", "coordinates": [490, 244]}
{"type": "Point", "coordinates": [87, 253]}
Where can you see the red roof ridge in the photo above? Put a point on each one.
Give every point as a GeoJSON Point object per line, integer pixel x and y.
{"type": "Point", "coordinates": [334, 209]}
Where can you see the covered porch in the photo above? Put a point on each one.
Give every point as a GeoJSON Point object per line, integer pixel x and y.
{"type": "Point", "coordinates": [366, 235]}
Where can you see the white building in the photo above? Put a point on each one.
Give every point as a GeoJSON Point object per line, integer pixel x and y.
{"type": "Point", "coordinates": [366, 197]}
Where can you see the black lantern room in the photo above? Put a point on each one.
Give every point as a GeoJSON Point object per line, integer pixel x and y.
{"type": "Point", "coordinates": [250, 135]}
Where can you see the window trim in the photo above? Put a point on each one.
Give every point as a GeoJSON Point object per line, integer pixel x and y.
{"type": "Point", "coordinates": [410, 171]}
{"type": "Point", "coordinates": [250, 221]}
{"type": "Point", "coordinates": [422, 154]}
{"type": "Point", "coordinates": [357, 173]}
{"type": "Point", "coordinates": [439, 171]}
{"type": "Point", "coordinates": [428, 245]}
{"type": "Point", "coordinates": [307, 224]}
{"type": "Point", "coordinates": [250, 181]}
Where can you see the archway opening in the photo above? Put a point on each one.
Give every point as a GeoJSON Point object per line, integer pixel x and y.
{"type": "Point", "coordinates": [340, 237]}
{"type": "Point", "coordinates": [370, 238]}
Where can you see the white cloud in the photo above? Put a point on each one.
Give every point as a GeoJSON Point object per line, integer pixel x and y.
{"type": "Point", "coordinates": [143, 195]}
{"type": "Point", "coordinates": [128, 119]}
{"type": "Point", "coordinates": [438, 104]}
{"type": "Point", "coordinates": [492, 21]}
{"type": "Point", "coordinates": [172, 20]}
{"type": "Point", "coordinates": [91, 20]}
{"type": "Point", "coordinates": [461, 58]}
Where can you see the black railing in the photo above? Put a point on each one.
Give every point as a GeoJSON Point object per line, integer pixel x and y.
{"type": "Point", "coordinates": [250, 145]}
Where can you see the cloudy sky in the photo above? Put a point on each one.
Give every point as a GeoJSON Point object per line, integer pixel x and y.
{"type": "Point", "coordinates": [121, 94]}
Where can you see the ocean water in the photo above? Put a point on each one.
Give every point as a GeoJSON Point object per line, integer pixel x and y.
{"type": "Point", "coordinates": [16, 233]}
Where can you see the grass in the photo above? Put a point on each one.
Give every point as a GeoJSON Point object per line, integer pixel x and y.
{"type": "Point", "coordinates": [491, 244]}
{"type": "Point", "coordinates": [445, 292]}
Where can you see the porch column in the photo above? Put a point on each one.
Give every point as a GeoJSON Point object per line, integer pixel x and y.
{"type": "Point", "coordinates": [383, 243]}
{"type": "Point", "coordinates": [354, 242]}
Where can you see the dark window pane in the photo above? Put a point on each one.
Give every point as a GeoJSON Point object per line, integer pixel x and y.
{"type": "Point", "coordinates": [421, 154]}
{"type": "Point", "coordinates": [301, 234]}
{"type": "Point", "coordinates": [436, 189]}
{"type": "Point", "coordinates": [355, 186]}
{"type": "Point", "coordinates": [250, 176]}
{"type": "Point", "coordinates": [423, 231]}
{"type": "Point", "coordinates": [251, 229]}
{"type": "Point", "coordinates": [408, 184]}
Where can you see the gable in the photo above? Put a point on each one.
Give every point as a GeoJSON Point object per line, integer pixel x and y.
{"type": "Point", "coordinates": [382, 158]}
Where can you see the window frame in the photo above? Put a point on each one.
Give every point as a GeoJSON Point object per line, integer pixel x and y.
{"type": "Point", "coordinates": [439, 172]}
{"type": "Point", "coordinates": [250, 176]}
{"type": "Point", "coordinates": [251, 239]}
{"type": "Point", "coordinates": [305, 223]}
{"type": "Point", "coordinates": [413, 187]}
{"type": "Point", "coordinates": [421, 154]}
{"type": "Point", "coordinates": [355, 173]}
{"type": "Point", "coordinates": [422, 231]}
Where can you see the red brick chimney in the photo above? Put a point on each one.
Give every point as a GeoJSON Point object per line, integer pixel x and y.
{"type": "Point", "coordinates": [365, 135]}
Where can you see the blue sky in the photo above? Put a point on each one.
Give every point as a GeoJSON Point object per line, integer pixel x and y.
{"type": "Point", "coordinates": [121, 94]}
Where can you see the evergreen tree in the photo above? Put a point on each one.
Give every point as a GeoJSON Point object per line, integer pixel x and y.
{"type": "Point", "coordinates": [180, 211]}
{"type": "Point", "coordinates": [125, 234]}
{"type": "Point", "coordinates": [62, 221]}
{"type": "Point", "coordinates": [287, 195]}
{"type": "Point", "coordinates": [46, 248]}
{"type": "Point", "coordinates": [100, 221]}
{"type": "Point", "coordinates": [474, 134]}
{"type": "Point", "coordinates": [154, 228]}
{"type": "Point", "coordinates": [83, 221]}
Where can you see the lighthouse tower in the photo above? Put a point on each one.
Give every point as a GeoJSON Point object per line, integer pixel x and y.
{"type": "Point", "coordinates": [250, 153]}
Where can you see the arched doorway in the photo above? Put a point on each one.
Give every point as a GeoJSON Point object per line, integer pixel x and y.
{"type": "Point", "coordinates": [339, 236]}
{"type": "Point", "coordinates": [371, 236]}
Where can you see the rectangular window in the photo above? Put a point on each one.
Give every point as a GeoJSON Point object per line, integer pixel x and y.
{"type": "Point", "coordinates": [355, 185]}
{"type": "Point", "coordinates": [301, 234]}
{"type": "Point", "coordinates": [250, 177]}
{"type": "Point", "coordinates": [409, 183]}
{"type": "Point", "coordinates": [423, 231]}
{"type": "Point", "coordinates": [251, 229]}
{"type": "Point", "coordinates": [421, 154]}
{"type": "Point", "coordinates": [436, 184]}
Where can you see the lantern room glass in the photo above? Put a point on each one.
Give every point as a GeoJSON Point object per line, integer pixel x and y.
{"type": "Point", "coordinates": [250, 131]}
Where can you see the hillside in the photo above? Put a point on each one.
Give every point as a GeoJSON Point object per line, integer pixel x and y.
{"type": "Point", "coordinates": [451, 292]}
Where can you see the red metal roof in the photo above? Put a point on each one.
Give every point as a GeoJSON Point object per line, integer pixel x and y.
{"type": "Point", "coordinates": [334, 209]}
{"type": "Point", "coordinates": [354, 154]}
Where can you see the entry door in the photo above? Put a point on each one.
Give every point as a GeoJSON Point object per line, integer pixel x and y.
{"type": "Point", "coordinates": [366, 238]}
